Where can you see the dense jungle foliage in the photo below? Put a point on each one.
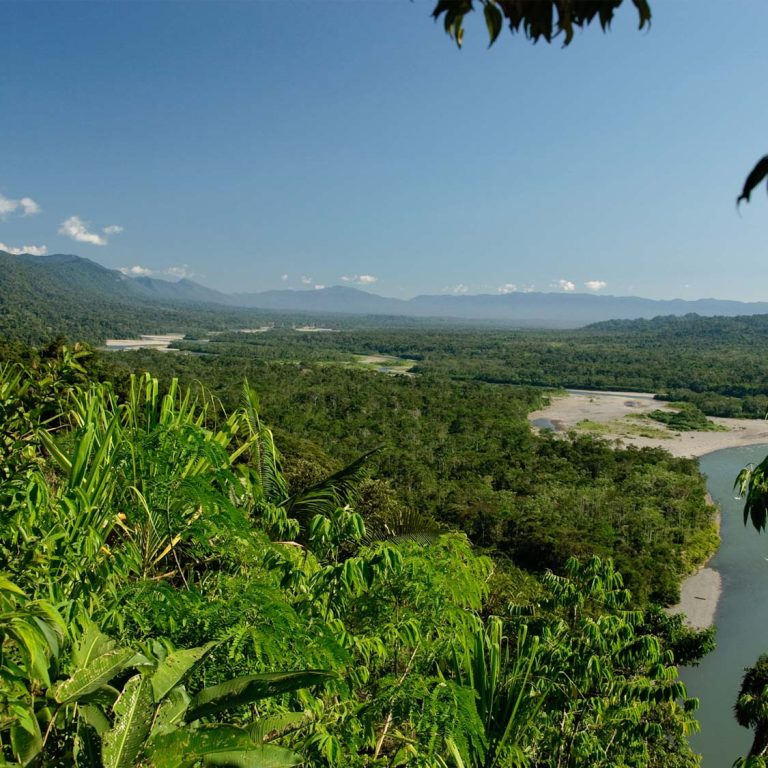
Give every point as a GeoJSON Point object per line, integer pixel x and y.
{"type": "Point", "coordinates": [170, 598]}
{"type": "Point", "coordinates": [460, 453]}
{"type": "Point", "coordinates": [719, 364]}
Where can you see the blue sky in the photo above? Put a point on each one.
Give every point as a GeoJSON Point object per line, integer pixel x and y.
{"type": "Point", "coordinates": [244, 142]}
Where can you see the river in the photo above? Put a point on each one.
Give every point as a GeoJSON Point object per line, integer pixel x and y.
{"type": "Point", "coordinates": [741, 618]}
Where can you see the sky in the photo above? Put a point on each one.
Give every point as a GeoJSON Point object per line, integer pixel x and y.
{"type": "Point", "coordinates": [279, 144]}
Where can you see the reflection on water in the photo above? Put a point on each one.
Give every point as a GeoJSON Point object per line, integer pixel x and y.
{"type": "Point", "coordinates": [742, 614]}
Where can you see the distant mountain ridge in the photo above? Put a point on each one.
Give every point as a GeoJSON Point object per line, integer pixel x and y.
{"type": "Point", "coordinates": [58, 277]}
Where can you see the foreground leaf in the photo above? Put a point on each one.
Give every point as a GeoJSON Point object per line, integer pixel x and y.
{"type": "Point", "coordinates": [219, 745]}
{"type": "Point", "coordinates": [174, 667]}
{"type": "Point", "coordinates": [244, 690]}
{"type": "Point", "coordinates": [98, 672]}
{"type": "Point", "coordinates": [133, 718]}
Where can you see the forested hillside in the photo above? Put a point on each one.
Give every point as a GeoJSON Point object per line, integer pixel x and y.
{"type": "Point", "coordinates": [46, 296]}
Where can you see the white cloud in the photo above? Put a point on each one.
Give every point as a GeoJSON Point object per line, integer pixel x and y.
{"type": "Point", "coordinates": [7, 206]}
{"type": "Point", "coordinates": [27, 204]}
{"type": "Point", "coordinates": [284, 277]}
{"type": "Point", "coordinates": [460, 288]}
{"type": "Point", "coordinates": [74, 227]}
{"type": "Point", "coordinates": [507, 288]}
{"type": "Point", "coordinates": [182, 271]}
{"type": "Point", "coordinates": [137, 271]}
{"type": "Point", "coordinates": [32, 250]}
{"type": "Point", "coordinates": [112, 229]}
{"type": "Point", "coordinates": [595, 285]}
{"type": "Point", "coordinates": [306, 280]}
{"type": "Point", "coordinates": [360, 279]}
{"type": "Point", "coordinates": [319, 287]}
{"type": "Point", "coordinates": [566, 285]}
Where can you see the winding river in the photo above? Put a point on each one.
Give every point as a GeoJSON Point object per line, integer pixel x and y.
{"type": "Point", "coordinates": [741, 618]}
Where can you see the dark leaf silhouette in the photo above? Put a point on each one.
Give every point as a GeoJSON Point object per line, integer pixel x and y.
{"type": "Point", "coordinates": [536, 19]}
{"type": "Point", "coordinates": [757, 174]}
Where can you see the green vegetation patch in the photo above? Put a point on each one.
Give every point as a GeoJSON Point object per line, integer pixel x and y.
{"type": "Point", "coordinates": [632, 425]}
{"type": "Point", "coordinates": [688, 418]}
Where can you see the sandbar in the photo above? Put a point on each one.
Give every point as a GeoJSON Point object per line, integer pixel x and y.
{"type": "Point", "coordinates": [566, 411]}
{"type": "Point", "coordinates": [699, 595]}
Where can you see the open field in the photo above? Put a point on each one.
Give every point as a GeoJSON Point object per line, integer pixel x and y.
{"type": "Point", "coordinates": [385, 363]}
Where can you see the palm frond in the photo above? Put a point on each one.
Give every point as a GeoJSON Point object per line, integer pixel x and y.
{"type": "Point", "coordinates": [334, 491]}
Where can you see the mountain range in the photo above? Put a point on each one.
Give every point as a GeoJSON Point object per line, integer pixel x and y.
{"type": "Point", "coordinates": [72, 283]}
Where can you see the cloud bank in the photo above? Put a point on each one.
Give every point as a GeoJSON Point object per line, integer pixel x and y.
{"type": "Point", "coordinates": [566, 285]}
{"type": "Point", "coordinates": [360, 279]}
{"type": "Point", "coordinates": [595, 285]}
{"type": "Point", "coordinates": [32, 250]}
{"type": "Point", "coordinates": [139, 271]}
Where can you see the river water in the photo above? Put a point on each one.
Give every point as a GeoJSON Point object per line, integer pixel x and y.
{"type": "Point", "coordinates": [741, 618]}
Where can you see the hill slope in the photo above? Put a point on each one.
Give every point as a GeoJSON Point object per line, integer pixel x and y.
{"type": "Point", "coordinates": [41, 296]}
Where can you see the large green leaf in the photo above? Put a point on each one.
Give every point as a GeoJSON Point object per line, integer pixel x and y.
{"type": "Point", "coordinates": [263, 756]}
{"type": "Point", "coordinates": [26, 746]}
{"type": "Point", "coordinates": [133, 718]}
{"type": "Point", "coordinates": [174, 667]}
{"type": "Point", "coordinates": [98, 672]}
{"type": "Point", "coordinates": [243, 690]}
{"type": "Point", "coordinates": [93, 643]}
{"type": "Point", "coordinates": [93, 716]}
{"type": "Point", "coordinates": [219, 745]}
{"type": "Point", "coordinates": [171, 711]}
{"type": "Point", "coordinates": [275, 723]}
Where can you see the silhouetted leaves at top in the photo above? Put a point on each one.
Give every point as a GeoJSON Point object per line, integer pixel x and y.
{"type": "Point", "coordinates": [756, 175]}
{"type": "Point", "coordinates": [535, 18]}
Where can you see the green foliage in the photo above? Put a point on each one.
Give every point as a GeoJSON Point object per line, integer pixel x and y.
{"type": "Point", "coordinates": [752, 485]}
{"type": "Point", "coordinates": [458, 452]}
{"type": "Point", "coordinates": [751, 709]}
{"type": "Point", "coordinates": [686, 418]}
{"type": "Point", "coordinates": [245, 622]}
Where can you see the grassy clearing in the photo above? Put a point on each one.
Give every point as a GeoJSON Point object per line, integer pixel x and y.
{"type": "Point", "coordinates": [383, 363]}
{"type": "Point", "coordinates": [633, 425]}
